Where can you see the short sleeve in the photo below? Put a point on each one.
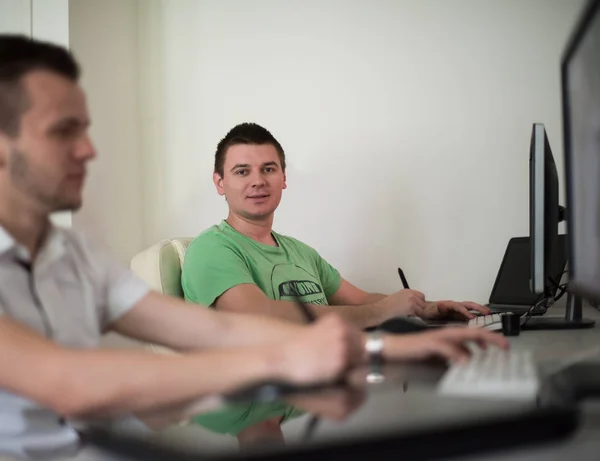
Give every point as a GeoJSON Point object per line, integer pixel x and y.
{"type": "Point", "coordinates": [211, 267]}
{"type": "Point", "coordinates": [118, 289]}
{"type": "Point", "coordinates": [329, 275]}
{"type": "Point", "coordinates": [124, 290]}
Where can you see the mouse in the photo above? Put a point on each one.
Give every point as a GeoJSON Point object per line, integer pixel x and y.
{"type": "Point", "coordinates": [401, 325]}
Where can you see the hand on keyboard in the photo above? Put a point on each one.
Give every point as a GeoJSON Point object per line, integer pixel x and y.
{"type": "Point", "coordinates": [452, 310]}
{"type": "Point", "coordinates": [446, 343]}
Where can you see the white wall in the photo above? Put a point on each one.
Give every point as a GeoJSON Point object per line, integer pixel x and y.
{"type": "Point", "coordinates": [15, 17]}
{"type": "Point", "coordinates": [50, 20]}
{"type": "Point", "coordinates": [104, 40]}
{"type": "Point", "coordinates": [406, 124]}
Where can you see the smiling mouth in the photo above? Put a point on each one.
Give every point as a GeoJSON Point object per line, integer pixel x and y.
{"type": "Point", "coordinates": [258, 196]}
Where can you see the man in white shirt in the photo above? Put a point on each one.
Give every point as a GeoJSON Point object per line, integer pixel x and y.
{"type": "Point", "coordinates": [58, 294]}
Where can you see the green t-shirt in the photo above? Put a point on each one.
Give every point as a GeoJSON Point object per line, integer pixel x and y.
{"type": "Point", "coordinates": [221, 258]}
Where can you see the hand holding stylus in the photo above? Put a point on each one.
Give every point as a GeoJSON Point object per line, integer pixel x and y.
{"type": "Point", "coordinates": [446, 308]}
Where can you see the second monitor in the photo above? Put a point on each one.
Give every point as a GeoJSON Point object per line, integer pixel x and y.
{"type": "Point", "coordinates": [545, 214]}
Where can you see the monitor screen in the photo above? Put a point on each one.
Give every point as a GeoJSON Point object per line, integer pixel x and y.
{"type": "Point", "coordinates": [543, 210]}
{"type": "Point", "coordinates": [581, 106]}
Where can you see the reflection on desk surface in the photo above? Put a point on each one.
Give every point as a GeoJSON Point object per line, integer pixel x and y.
{"type": "Point", "coordinates": [355, 419]}
{"type": "Point", "coordinates": [390, 418]}
{"type": "Point", "coordinates": [404, 411]}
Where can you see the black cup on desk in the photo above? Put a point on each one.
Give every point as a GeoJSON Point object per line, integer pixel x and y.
{"type": "Point", "coordinates": [511, 324]}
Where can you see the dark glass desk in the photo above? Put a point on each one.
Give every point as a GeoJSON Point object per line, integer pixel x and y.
{"type": "Point", "coordinates": [403, 417]}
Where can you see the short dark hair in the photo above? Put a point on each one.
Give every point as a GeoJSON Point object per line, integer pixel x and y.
{"type": "Point", "coordinates": [246, 133]}
{"type": "Point", "coordinates": [20, 55]}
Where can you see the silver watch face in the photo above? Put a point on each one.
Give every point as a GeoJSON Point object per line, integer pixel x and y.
{"type": "Point", "coordinates": [374, 344]}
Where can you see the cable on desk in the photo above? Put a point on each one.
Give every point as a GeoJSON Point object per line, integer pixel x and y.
{"type": "Point", "coordinates": [560, 287]}
{"type": "Point", "coordinates": [532, 309]}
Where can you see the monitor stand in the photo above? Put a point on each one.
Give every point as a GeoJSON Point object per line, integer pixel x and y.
{"type": "Point", "coordinates": [572, 320]}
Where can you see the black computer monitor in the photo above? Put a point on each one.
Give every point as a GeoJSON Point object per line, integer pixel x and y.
{"type": "Point", "coordinates": [581, 118]}
{"type": "Point", "coordinates": [544, 213]}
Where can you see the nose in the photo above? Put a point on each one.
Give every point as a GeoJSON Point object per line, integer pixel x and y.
{"type": "Point", "coordinates": [258, 179]}
{"type": "Point", "coordinates": [85, 149]}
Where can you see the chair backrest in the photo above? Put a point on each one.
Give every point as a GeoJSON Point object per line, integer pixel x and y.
{"type": "Point", "coordinates": [160, 265]}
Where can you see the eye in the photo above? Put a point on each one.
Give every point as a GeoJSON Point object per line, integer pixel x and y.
{"type": "Point", "coordinates": [241, 172]}
{"type": "Point", "coordinates": [269, 169]}
{"type": "Point", "coordinates": [66, 132]}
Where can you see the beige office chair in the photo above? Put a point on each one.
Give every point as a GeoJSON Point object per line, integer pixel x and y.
{"type": "Point", "coordinates": [160, 267]}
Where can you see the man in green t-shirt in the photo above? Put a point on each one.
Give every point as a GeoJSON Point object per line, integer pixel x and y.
{"type": "Point", "coordinates": [242, 265]}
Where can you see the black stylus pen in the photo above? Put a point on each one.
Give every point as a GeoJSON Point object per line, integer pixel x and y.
{"type": "Point", "coordinates": [403, 278]}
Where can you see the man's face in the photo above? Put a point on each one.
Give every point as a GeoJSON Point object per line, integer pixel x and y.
{"type": "Point", "coordinates": [252, 180]}
{"type": "Point", "coordinates": [46, 161]}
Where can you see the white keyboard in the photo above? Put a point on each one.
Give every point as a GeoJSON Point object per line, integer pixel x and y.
{"type": "Point", "coordinates": [491, 322]}
{"type": "Point", "coordinates": [493, 373]}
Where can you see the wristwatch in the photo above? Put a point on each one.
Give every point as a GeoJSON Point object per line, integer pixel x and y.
{"type": "Point", "coordinates": [374, 346]}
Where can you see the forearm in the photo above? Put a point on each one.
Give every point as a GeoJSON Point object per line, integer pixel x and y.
{"type": "Point", "coordinates": [265, 327]}
{"type": "Point", "coordinates": [186, 327]}
{"type": "Point", "coordinates": [372, 298]}
{"type": "Point", "coordinates": [361, 316]}
{"type": "Point", "coordinates": [107, 383]}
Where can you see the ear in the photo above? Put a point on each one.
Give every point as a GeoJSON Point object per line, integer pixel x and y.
{"type": "Point", "coordinates": [284, 181]}
{"type": "Point", "coordinates": [218, 180]}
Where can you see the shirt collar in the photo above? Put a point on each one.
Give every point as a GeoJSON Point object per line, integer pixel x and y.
{"type": "Point", "coordinates": [6, 241]}
{"type": "Point", "coordinates": [52, 247]}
